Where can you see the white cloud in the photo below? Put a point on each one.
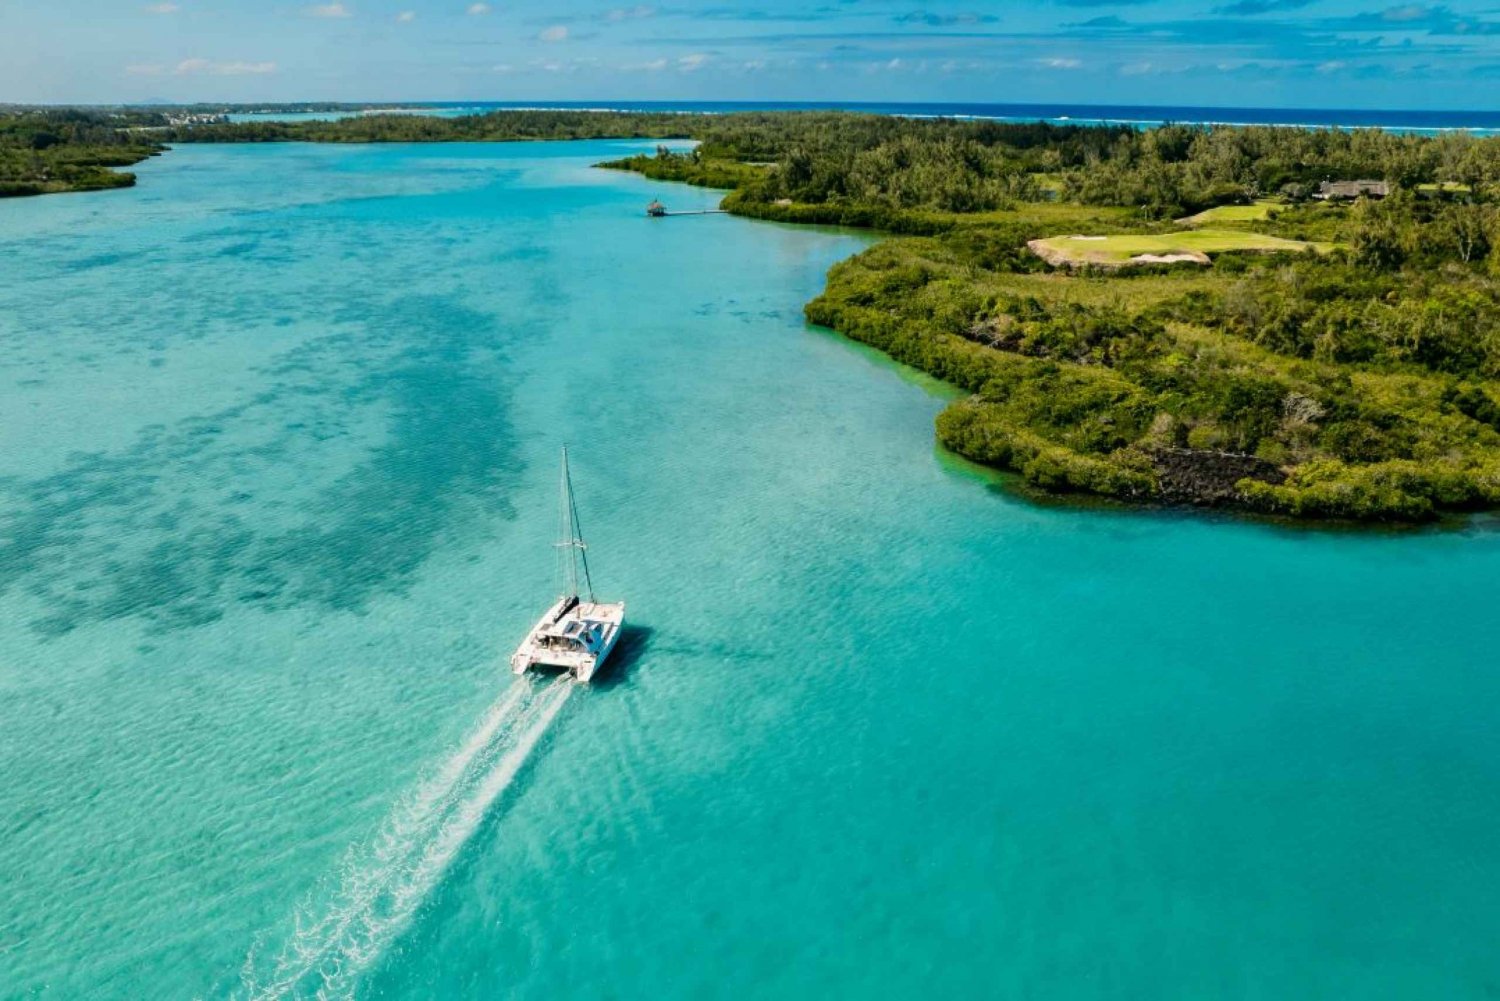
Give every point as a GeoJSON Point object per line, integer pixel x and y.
{"type": "Point", "coordinates": [209, 67]}
{"type": "Point", "coordinates": [565, 65]}
{"type": "Point", "coordinates": [1409, 12]}
{"type": "Point", "coordinates": [1061, 63]}
{"type": "Point", "coordinates": [476, 9]}
{"type": "Point", "coordinates": [654, 66]}
{"type": "Point", "coordinates": [692, 62]}
{"type": "Point", "coordinates": [162, 8]}
{"type": "Point", "coordinates": [329, 10]}
{"type": "Point", "coordinates": [556, 33]}
{"type": "Point", "coordinates": [406, 16]}
{"type": "Point", "coordinates": [629, 13]}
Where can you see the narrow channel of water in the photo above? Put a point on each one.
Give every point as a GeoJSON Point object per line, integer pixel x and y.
{"type": "Point", "coordinates": [278, 433]}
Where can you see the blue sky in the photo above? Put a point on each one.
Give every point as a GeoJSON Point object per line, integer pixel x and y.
{"type": "Point", "coordinates": [1274, 53]}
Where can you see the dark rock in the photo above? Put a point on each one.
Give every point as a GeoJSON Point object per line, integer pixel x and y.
{"type": "Point", "coordinates": [1199, 476]}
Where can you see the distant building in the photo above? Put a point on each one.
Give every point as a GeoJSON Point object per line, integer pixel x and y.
{"type": "Point", "coordinates": [1340, 191]}
{"type": "Point", "coordinates": [196, 119]}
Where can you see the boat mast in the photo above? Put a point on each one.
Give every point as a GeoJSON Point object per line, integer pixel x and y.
{"type": "Point", "coordinates": [571, 548]}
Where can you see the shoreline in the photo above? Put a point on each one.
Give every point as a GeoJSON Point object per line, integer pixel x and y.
{"type": "Point", "coordinates": [1174, 479]}
{"type": "Point", "coordinates": [1157, 469]}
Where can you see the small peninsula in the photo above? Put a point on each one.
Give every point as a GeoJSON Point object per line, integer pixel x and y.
{"type": "Point", "coordinates": [51, 151]}
{"type": "Point", "coordinates": [1289, 321]}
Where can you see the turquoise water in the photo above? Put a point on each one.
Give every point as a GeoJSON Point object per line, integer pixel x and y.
{"type": "Point", "coordinates": [278, 441]}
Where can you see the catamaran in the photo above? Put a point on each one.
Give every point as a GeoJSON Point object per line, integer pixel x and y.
{"type": "Point", "coordinates": [573, 635]}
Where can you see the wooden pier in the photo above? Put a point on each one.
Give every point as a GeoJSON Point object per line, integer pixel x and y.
{"type": "Point", "coordinates": [656, 210]}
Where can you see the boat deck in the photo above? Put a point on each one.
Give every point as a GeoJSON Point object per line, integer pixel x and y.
{"type": "Point", "coordinates": [573, 636]}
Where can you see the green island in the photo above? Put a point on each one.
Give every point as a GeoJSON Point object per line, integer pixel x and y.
{"type": "Point", "coordinates": [48, 151]}
{"type": "Point", "coordinates": [1287, 321]}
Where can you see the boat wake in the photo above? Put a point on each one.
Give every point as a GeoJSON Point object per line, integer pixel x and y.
{"type": "Point", "coordinates": [337, 936]}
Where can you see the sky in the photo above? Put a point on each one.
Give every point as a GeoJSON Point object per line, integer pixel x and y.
{"type": "Point", "coordinates": [1221, 53]}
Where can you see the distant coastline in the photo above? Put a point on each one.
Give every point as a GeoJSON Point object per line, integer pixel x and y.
{"type": "Point", "coordinates": [1144, 116]}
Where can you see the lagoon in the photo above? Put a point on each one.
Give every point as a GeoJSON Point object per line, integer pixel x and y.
{"type": "Point", "coordinates": [278, 433]}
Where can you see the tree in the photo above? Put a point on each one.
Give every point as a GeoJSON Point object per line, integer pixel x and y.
{"type": "Point", "coordinates": [1378, 240]}
{"type": "Point", "coordinates": [1467, 230]}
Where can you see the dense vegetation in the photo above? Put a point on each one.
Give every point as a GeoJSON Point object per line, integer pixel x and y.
{"type": "Point", "coordinates": [47, 151]}
{"type": "Point", "coordinates": [1358, 383]}
{"type": "Point", "coordinates": [970, 167]}
{"type": "Point", "coordinates": [1358, 379]}
{"type": "Point", "coordinates": [499, 126]}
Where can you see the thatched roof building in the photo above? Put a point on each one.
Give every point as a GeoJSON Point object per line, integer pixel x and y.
{"type": "Point", "coordinates": [1330, 191]}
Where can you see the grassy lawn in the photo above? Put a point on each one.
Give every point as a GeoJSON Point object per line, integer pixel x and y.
{"type": "Point", "coordinates": [1135, 293]}
{"type": "Point", "coordinates": [1257, 212]}
{"type": "Point", "coordinates": [1122, 248]}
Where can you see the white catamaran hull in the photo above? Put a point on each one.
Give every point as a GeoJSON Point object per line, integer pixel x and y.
{"type": "Point", "coordinates": [573, 635]}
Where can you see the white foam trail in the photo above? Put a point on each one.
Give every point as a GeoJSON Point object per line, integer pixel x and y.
{"type": "Point", "coordinates": [366, 869]}
{"type": "Point", "coordinates": [383, 884]}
